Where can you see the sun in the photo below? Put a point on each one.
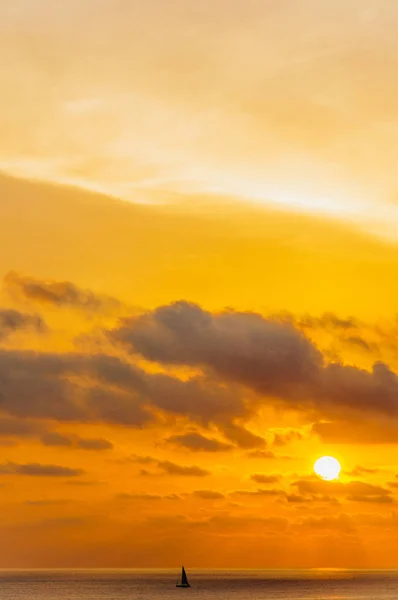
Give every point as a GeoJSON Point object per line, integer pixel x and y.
{"type": "Point", "coordinates": [327, 468]}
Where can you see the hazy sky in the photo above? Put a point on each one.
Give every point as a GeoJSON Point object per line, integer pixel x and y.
{"type": "Point", "coordinates": [205, 302]}
{"type": "Point", "coordinates": [291, 102]}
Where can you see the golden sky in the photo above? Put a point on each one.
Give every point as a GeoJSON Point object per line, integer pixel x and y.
{"type": "Point", "coordinates": [198, 293]}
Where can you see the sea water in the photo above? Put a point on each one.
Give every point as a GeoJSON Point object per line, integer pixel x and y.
{"type": "Point", "coordinates": [206, 585]}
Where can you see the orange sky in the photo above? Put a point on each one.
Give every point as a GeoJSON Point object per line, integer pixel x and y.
{"type": "Point", "coordinates": [198, 297]}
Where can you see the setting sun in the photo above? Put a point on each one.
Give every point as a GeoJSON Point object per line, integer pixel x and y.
{"type": "Point", "coordinates": [327, 468]}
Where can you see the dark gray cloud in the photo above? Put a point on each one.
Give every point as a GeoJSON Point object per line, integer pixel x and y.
{"type": "Point", "coordinates": [197, 442]}
{"type": "Point", "coordinates": [38, 386]}
{"type": "Point", "coordinates": [264, 354]}
{"type": "Point", "coordinates": [246, 361]}
{"type": "Point", "coordinates": [58, 293]}
{"type": "Point", "coordinates": [268, 356]}
{"type": "Point", "coordinates": [201, 399]}
{"type": "Point", "coordinates": [14, 427]}
{"type": "Point", "coordinates": [52, 438]}
{"type": "Point", "coordinates": [12, 320]}
{"type": "Point", "coordinates": [39, 470]}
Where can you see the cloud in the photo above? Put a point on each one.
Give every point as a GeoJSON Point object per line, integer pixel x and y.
{"type": "Point", "coordinates": [350, 429]}
{"type": "Point", "coordinates": [144, 497]}
{"type": "Point", "coordinates": [84, 483]}
{"type": "Point", "coordinates": [15, 427]}
{"type": "Point", "coordinates": [12, 320]}
{"type": "Point", "coordinates": [94, 444]}
{"type": "Point", "coordinates": [169, 468]}
{"type": "Point", "coordinates": [201, 399]}
{"type": "Point", "coordinates": [296, 499]}
{"type": "Point", "coordinates": [239, 353]}
{"type": "Point", "coordinates": [223, 523]}
{"type": "Point", "coordinates": [286, 437]}
{"type": "Point", "coordinates": [282, 495]}
{"type": "Point", "coordinates": [263, 354]}
{"type": "Point", "coordinates": [199, 443]}
{"type": "Point", "coordinates": [374, 499]}
{"type": "Point", "coordinates": [52, 438]}
{"type": "Point", "coordinates": [141, 460]}
{"type": "Point", "coordinates": [58, 502]}
{"type": "Point", "coordinates": [259, 492]}
{"type": "Point", "coordinates": [262, 454]}
{"type": "Point", "coordinates": [264, 479]}
{"type": "Point", "coordinates": [358, 471]}
{"type": "Point", "coordinates": [270, 357]}
{"type": "Point", "coordinates": [360, 343]}
{"type": "Point", "coordinates": [119, 392]}
{"type": "Point", "coordinates": [356, 491]}
{"type": "Point", "coordinates": [241, 436]}
{"type": "Point", "coordinates": [174, 469]}
{"type": "Point", "coordinates": [58, 293]}
{"type": "Point", "coordinates": [326, 321]}
{"type": "Point", "coordinates": [341, 522]}
{"type": "Point", "coordinates": [208, 495]}
{"type": "Point", "coordinates": [39, 470]}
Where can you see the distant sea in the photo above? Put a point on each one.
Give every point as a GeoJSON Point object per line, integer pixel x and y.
{"type": "Point", "coordinates": [206, 585]}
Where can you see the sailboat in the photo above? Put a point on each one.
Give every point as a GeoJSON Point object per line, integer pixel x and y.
{"type": "Point", "coordinates": [183, 582]}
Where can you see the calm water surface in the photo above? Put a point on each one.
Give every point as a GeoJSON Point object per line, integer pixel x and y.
{"type": "Point", "coordinates": [206, 585]}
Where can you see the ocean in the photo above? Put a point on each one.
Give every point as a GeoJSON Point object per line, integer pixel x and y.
{"type": "Point", "coordinates": [206, 585]}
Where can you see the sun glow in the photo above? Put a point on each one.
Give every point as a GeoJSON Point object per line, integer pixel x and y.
{"type": "Point", "coordinates": [327, 467]}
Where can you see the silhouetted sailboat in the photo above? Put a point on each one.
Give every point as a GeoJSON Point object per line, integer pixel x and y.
{"type": "Point", "coordinates": [183, 582]}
